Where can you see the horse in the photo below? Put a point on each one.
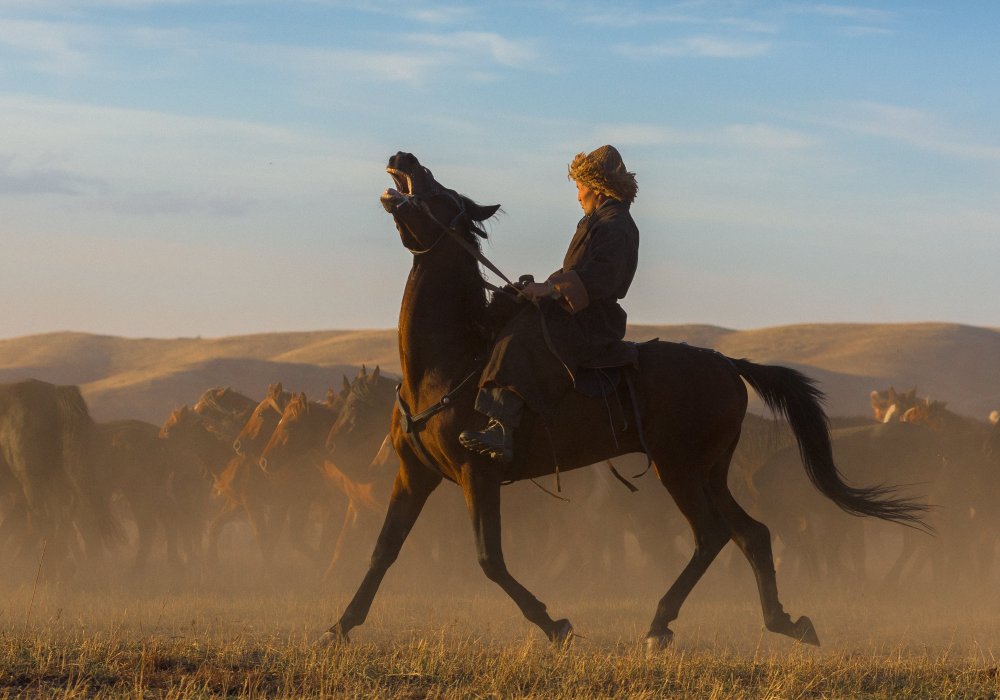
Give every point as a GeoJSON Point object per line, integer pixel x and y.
{"type": "Point", "coordinates": [200, 456]}
{"type": "Point", "coordinates": [968, 489]}
{"type": "Point", "coordinates": [141, 469]}
{"type": "Point", "coordinates": [692, 402]}
{"type": "Point", "coordinates": [292, 461]}
{"type": "Point", "coordinates": [48, 446]}
{"type": "Point", "coordinates": [245, 488]}
{"type": "Point", "coordinates": [890, 405]}
{"type": "Point", "coordinates": [225, 410]}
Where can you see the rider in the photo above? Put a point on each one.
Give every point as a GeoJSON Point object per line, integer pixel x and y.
{"type": "Point", "coordinates": [576, 319]}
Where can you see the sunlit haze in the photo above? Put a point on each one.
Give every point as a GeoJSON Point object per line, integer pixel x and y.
{"type": "Point", "coordinates": [180, 168]}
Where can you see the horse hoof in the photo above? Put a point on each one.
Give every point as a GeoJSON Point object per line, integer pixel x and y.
{"type": "Point", "coordinates": [562, 633]}
{"type": "Point", "coordinates": [655, 643]}
{"type": "Point", "coordinates": [805, 632]}
{"type": "Point", "coordinates": [332, 637]}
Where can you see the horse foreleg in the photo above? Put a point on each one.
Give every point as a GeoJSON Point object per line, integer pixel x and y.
{"type": "Point", "coordinates": [410, 490]}
{"type": "Point", "coordinates": [482, 496]}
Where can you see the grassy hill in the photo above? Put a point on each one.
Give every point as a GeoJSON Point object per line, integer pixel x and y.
{"type": "Point", "coordinates": [147, 378]}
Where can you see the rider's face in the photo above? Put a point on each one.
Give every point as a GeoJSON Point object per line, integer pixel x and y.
{"type": "Point", "coordinates": [589, 199]}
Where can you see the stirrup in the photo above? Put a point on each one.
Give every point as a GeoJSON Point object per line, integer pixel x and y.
{"type": "Point", "coordinates": [487, 442]}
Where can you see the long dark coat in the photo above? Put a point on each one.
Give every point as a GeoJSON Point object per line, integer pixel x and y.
{"type": "Point", "coordinates": [585, 324]}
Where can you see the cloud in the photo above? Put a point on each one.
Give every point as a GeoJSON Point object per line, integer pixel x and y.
{"type": "Point", "coordinates": [914, 127]}
{"type": "Point", "coordinates": [50, 47]}
{"type": "Point", "coordinates": [461, 46]}
{"type": "Point", "coordinates": [181, 203]}
{"type": "Point", "coordinates": [33, 181]}
{"type": "Point", "coordinates": [851, 12]}
{"type": "Point", "coordinates": [701, 46]}
{"type": "Point", "coordinates": [644, 18]}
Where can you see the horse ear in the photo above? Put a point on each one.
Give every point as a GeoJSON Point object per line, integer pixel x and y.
{"type": "Point", "coordinates": [375, 373]}
{"type": "Point", "coordinates": [479, 212]}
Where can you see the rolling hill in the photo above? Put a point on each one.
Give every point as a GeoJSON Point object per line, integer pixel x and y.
{"type": "Point", "coordinates": [147, 377]}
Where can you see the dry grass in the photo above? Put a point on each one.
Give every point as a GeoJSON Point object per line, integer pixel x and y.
{"type": "Point", "coordinates": [190, 644]}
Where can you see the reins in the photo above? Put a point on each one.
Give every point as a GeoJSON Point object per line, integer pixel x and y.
{"type": "Point", "coordinates": [411, 424]}
{"type": "Point", "coordinates": [478, 255]}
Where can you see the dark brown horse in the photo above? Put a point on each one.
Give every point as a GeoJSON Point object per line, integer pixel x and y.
{"type": "Point", "coordinates": [142, 470]}
{"type": "Point", "coordinates": [49, 466]}
{"type": "Point", "coordinates": [225, 411]}
{"type": "Point", "coordinates": [692, 403]}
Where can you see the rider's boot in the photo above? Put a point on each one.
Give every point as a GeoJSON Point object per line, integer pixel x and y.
{"type": "Point", "coordinates": [496, 441]}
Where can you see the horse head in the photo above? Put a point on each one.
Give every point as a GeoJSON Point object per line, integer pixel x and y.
{"type": "Point", "coordinates": [262, 421]}
{"type": "Point", "coordinates": [890, 405]}
{"type": "Point", "coordinates": [363, 421]}
{"type": "Point", "coordinates": [288, 436]}
{"type": "Point", "coordinates": [424, 210]}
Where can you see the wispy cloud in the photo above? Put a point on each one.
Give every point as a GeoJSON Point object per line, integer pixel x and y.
{"type": "Point", "coordinates": [19, 181]}
{"type": "Point", "coordinates": [850, 12]}
{"type": "Point", "coordinates": [49, 47]}
{"type": "Point", "coordinates": [914, 127]}
{"type": "Point", "coordinates": [644, 18]}
{"type": "Point", "coordinates": [703, 46]}
{"type": "Point", "coordinates": [463, 46]}
{"type": "Point", "coordinates": [181, 203]}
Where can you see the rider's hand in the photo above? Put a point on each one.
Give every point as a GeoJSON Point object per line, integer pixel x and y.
{"type": "Point", "coordinates": [537, 290]}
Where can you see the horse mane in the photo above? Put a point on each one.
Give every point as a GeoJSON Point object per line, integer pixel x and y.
{"type": "Point", "coordinates": [297, 405]}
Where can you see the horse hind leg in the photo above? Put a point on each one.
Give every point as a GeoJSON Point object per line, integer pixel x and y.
{"type": "Point", "coordinates": [754, 540]}
{"type": "Point", "coordinates": [711, 533]}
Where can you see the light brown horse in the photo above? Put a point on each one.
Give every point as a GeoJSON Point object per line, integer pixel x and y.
{"type": "Point", "coordinates": [692, 403]}
{"type": "Point", "coordinates": [245, 489]}
{"type": "Point", "coordinates": [292, 460]}
{"type": "Point", "coordinates": [889, 404]}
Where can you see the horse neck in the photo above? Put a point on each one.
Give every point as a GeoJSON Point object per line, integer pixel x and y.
{"type": "Point", "coordinates": [316, 424]}
{"type": "Point", "coordinates": [438, 320]}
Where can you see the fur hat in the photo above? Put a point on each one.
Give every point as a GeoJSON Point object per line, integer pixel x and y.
{"type": "Point", "coordinates": [602, 170]}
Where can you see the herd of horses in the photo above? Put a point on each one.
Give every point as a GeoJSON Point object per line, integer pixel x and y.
{"type": "Point", "coordinates": [311, 479]}
{"type": "Point", "coordinates": [315, 478]}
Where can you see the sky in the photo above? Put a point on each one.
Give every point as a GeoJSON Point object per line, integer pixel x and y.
{"type": "Point", "coordinates": [180, 168]}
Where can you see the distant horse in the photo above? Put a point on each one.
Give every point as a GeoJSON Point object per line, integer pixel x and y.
{"type": "Point", "coordinates": [692, 403]}
{"type": "Point", "coordinates": [142, 470]}
{"type": "Point", "coordinates": [47, 452]}
{"type": "Point", "coordinates": [968, 491]}
{"type": "Point", "coordinates": [890, 405]}
{"type": "Point", "coordinates": [225, 411]}
{"type": "Point", "coordinates": [292, 459]}
{"type": "Point", "coordinates": [245, 488]}
{"type": "Point", "coordinates": [200, 455]}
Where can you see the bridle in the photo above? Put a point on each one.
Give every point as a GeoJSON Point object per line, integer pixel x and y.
{"type": "Point", "coordinates": [451, 229]}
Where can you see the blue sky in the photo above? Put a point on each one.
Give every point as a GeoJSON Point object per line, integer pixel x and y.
{"type": "Point", "coordinates": [179, 168]}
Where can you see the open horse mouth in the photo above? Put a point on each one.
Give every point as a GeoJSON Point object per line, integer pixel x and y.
{"type": "Point", "coordinates": [404, 184]}
{"type": "Point", "coordinates": [393, 197]}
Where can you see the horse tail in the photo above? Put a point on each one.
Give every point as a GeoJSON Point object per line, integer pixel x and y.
{"type": "Point", "coordinates": [790, 393]}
